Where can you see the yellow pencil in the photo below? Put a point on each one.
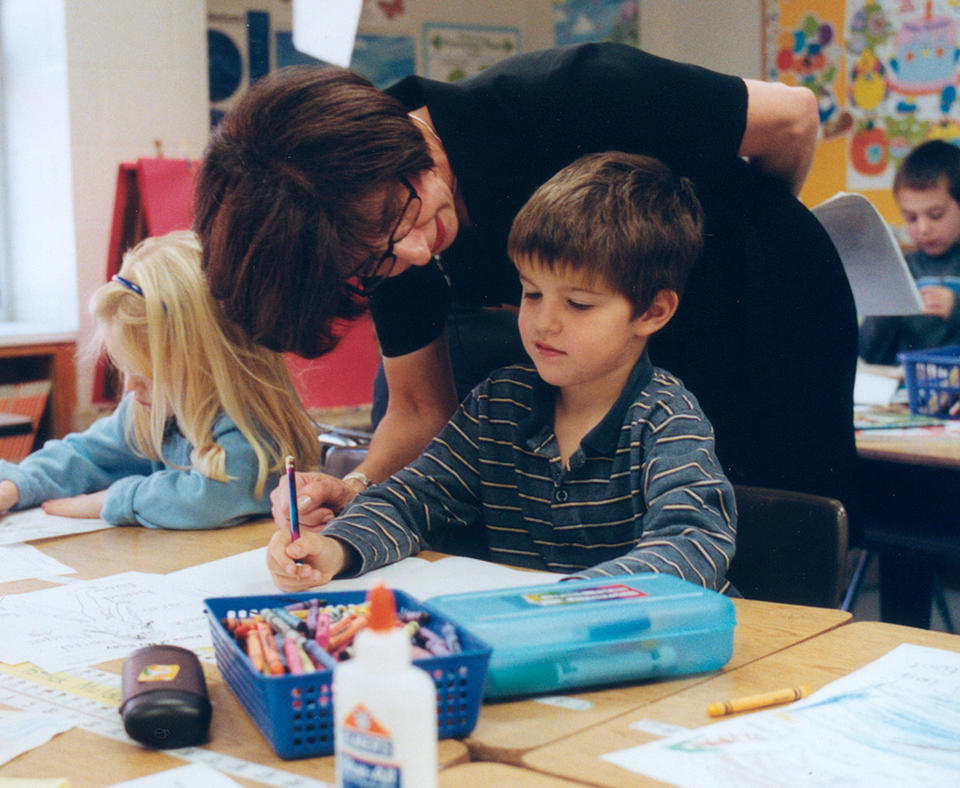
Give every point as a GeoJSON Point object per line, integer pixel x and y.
{"type": "Point", "coordinates": [758, 701]}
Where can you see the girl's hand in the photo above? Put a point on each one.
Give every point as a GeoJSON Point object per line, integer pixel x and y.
{"type": "Point", "coordinates": [9, 495]}
{"type": "Point", "coordinates": [78, 506]}
{"type": "Point", "coordinates": [320, 497]}
{"type": "Point", "coordinates": [320, 560]}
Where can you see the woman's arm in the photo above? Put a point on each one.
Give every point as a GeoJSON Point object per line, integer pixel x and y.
{"type": "Point", "coordinates": [422, 400]}
{"type": "Point", "coordinates": [781, 134]}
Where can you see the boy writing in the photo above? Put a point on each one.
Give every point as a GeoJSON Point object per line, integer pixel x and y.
{"type": "Point", "coordinates": [927, 191]}
{"type": "Point", "coordinates": [592, 463]}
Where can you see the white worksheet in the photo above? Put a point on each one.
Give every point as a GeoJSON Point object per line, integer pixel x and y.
{"type": "Point", "coordinates": [25, 562]}
{"type": "Point", "coordinates": [896, 719]}
{"type": "Point", "coordinates": [246, 574]}
{"type": "Point", "coordinates": [91, 621]}
{"type": "Point", "coordinates": [31, 524]}
{"type": "Point", "coordinates": [182, 777]}
{"type": "Point", "coordinates": [21, 731]}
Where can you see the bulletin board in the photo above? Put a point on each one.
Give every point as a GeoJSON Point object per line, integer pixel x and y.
{"type": "Point", "coordinates": [885, 73]}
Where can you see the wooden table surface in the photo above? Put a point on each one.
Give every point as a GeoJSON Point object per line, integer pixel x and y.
{"type": "Point", "coordinates": [936, 447]}
{"type": "Point", "coordinates": [815, 662]}
{"type": "Point", "coordinates": [506, 730]}
{"type": "Point", "coordinates": [92, 761]}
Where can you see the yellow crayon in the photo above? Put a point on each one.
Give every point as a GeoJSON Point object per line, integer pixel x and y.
{"type": "Point", "coordinates": [758, 701]}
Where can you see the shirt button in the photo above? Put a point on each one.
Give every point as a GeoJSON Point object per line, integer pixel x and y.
{"type": "Point", "coordinates": [561, 495]}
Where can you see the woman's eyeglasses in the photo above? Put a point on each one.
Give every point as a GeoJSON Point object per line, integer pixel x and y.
{"type": "Point", "coordinates": [373, 274]}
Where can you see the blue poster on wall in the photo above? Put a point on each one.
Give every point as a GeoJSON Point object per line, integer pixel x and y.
{"type": "Point", "coordinates": [381, 59]}
{"type": "Point", "coordinates": [581, 21]}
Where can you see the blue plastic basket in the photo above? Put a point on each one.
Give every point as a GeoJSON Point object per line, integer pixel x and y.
{"type": "Point", "coordinates": [933, 381]}
{"type": "Point", "coordinates": [295, 712]}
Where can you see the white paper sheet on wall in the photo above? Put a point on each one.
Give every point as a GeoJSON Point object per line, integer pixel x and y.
{"type": "Point", "coordinates": [326, 29]}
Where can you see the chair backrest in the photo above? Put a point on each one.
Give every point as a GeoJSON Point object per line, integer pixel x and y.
{"type": "Point", "coordinates": [791, 547]}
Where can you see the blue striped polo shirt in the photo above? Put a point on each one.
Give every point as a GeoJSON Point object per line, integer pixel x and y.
{"type": "Point", "coordinates": [644, 492]}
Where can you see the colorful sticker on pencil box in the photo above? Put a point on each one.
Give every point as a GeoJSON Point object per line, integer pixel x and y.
{"type": "Point", "coordinates": [158, 673]}
{"type": "Point", "coordinates": [583, 595]}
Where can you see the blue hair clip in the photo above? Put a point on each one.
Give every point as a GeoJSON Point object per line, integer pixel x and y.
{"type": "Point", "coordinates": [128, 284]}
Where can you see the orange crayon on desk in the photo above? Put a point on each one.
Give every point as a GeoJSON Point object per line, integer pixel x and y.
{"type": "Point", "coordinates": [761, 701]}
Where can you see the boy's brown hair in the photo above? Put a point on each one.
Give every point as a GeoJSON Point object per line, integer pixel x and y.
{"type": "Point", "coordinates": [928, 164]}
{"type": "Point", "coordinates": [626, 220]}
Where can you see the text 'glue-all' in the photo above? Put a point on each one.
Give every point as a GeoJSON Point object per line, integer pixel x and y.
{"type": "Point", "coordinates": [385, 708]}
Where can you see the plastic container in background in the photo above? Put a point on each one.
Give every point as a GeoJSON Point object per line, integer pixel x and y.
{"type": "Point", "coordinates": [581, 633]}
{"type": "Point", "coordinates": [933, 381]}
{"type": "Point", "coordinates": [384, 707]}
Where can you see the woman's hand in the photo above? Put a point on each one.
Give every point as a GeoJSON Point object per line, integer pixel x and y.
{"type": "Point", "coordinates": [299, 564]}
{"type": "Point", "coordinates": [320, 497]}
{"type": "Point", "coordinates": [78, 506]}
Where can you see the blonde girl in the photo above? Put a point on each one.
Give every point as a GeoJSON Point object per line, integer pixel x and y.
{"type": "Point", "coordinates": [207, 416]}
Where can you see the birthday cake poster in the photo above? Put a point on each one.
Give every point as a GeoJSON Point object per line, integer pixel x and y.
{"type": "Point", "coordinates": [885, 73]}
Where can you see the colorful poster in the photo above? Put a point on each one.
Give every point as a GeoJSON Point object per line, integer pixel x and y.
{"type": "Point", "coordinates": [886, 79]}
{"type": "Point", "coordinates": [580, 21]}
{"type": "Point", "coordinates": [452, 52]}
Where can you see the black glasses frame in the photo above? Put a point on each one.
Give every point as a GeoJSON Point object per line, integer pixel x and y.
{"type": "Point", "coordinates": [371, 278]}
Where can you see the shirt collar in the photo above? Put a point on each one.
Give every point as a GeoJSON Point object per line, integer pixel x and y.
{"type": "Point", "coordinates": [603, 438]}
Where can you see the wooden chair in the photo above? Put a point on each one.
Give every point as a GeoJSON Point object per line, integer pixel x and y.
{"type": "Point", "coordinates": [791, 547]}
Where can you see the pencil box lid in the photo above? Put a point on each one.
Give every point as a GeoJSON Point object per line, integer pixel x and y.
{"type": "Point", "coordinates": [580, 633]}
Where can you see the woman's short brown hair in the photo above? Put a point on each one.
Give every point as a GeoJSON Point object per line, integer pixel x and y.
{"type": "Point", "coordinates": [279, 197]}
{"type": "Point", "coordinates": [625, 219]}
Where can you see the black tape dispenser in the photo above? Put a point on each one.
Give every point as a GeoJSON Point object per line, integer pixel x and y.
{"type": "Point", "coordinates": [165, 701]}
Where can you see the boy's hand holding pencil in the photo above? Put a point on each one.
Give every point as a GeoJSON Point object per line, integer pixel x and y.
{"type": "Point", "coordinates": [320, 559]}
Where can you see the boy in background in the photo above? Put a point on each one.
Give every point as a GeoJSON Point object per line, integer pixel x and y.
{"type": "Point", "coordinates": [592, 462]}
{"type": "Point", "coordinates": [927, 191]}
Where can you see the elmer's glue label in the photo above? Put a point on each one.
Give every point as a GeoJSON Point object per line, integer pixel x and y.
{"type": "Point", "coordinates": [385, 708]}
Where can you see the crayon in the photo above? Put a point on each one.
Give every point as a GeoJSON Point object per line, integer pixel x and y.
{"type": "Point", "coordinates": [319, 655]}
{"type": "Point", "coordinates": [758, 701]}
{"type": "Point", "coordinates": [346, 635]}
{"type": "Point", "coordinates": [270, 653]}
{"type": "Point", "coordinates": [255, 650]}
{"type": "Point", "coordinates": [322, 635]}
{"type": "Point", "coordinates": [292, 654]}
{"type": "Point", "coordinates": [435, 644]}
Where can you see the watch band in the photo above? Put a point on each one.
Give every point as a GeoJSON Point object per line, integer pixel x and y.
{"type": "Point", "coordinates": [360, 476]}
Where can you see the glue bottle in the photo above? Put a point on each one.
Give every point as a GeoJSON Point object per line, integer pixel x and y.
{"type": "Point", "coordinates": [385, 707]}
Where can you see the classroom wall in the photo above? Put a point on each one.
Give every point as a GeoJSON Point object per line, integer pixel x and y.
{"type": "Point", "coordinates": [131, 73]}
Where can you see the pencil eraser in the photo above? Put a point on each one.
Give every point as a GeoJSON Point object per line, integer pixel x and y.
{"type": "Point", "coordinates": [165, 701]}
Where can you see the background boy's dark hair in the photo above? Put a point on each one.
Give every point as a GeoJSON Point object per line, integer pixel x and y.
{"type": "Point", "coordinates": [927, 164]}
{"type": "Point", "coordinates": [626, 219]}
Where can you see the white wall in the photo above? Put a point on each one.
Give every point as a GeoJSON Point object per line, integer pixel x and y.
{"type": "Point", "coordinates": [138, 73]}
{"type": "Point", "coordinates": [724, 35]}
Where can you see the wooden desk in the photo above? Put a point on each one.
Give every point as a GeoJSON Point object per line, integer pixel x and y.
{"type": "Point", "coordinates": [508, 730]}
{"type": "Point", "coordinates": [49, 357]}
{"type": "Point", "coordinates": [92, 761]}
{"type": "Point", "coordinates": [484, 774]}
{"type": "Point", "coordinates": [815, 662]}
{"type": "Point", "coordinates": [908, 494]}
{"type": "Point", "coordinates": [931, 447]}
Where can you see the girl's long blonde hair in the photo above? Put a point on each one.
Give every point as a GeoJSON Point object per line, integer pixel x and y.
{"type": "Point", "coordinates": [199, 364]}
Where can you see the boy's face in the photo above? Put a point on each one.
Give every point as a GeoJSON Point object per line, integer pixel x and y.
{"type": "Point", "coordinates": [575, 330]}
{"type": "Point", "coordinates": [931, 217]}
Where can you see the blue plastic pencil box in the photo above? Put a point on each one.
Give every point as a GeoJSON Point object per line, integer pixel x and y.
{"type": "Point", "coordinates": [581, 633]}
